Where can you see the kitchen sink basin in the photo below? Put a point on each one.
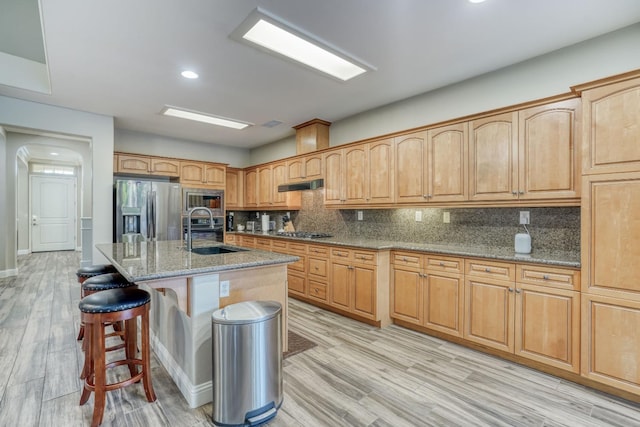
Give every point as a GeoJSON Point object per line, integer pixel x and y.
{"type": "Point", "coordinates": [215, 250]}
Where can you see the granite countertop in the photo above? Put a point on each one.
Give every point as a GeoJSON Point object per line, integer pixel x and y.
{"type": "Point", "coordinates": [165, 259]}
{"type": "Point", "coordinates": [537, 256]}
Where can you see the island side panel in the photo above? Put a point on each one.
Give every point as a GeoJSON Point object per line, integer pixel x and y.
{"type": "Point", "coordinates": [259, 284]}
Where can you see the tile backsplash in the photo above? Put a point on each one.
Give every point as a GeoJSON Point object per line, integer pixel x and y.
{"type": "Point", "coordinates": [556, 228]}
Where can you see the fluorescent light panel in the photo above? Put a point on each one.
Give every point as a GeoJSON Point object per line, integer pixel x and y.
{"type": "Point", "coordinates": [278, 38]}
{"type": "Point", "coordinates": [204, 118]}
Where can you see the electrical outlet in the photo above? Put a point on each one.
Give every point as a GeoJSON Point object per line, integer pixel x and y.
{"type": "Point", "coordinates": [446, 217]}
{"type": "Point", "coordinates": [360, 216]}
{"type": "Point", "coordinates": [418, 216]}
{"type": "Point", "coordinates": [524, 217]}
{"type": "Point", "coordinates": [224, 288]}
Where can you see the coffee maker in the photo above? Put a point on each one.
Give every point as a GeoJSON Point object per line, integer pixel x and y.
{"type": "Point", "coordinates": [230, 221]}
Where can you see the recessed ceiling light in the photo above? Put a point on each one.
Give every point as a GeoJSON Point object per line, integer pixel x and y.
{"type": "Point", "coordinates": [270, 34]}
{"type": "Point", "coordinates": [54, 154]}
{"type": "Point", "coordinates": [205, 118]}
{"type": "Point", "coordinates": [188, 74]}
{"type": "Point", "coordinates": [476, 1]}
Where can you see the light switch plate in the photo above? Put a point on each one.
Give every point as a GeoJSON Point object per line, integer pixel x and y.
{"type": "Point", "coordinates": [524, 217]}
{"type": "Point", "coordinates": [359, 215]}
{"type": "Point", "coordinates": [446, 217]}
{"type": "Point", "coordinates": [224, 288]}
{"type": "Point", "coordinates": [418, 216]}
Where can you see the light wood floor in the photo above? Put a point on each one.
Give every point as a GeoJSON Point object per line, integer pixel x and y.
{"type": "Point", "coordinates": [356, 376]}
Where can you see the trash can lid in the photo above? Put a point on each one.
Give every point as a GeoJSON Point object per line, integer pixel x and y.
{"type": "Point", "coordinates": [246, 312]}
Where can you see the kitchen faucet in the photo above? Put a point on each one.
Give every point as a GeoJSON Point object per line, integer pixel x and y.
{"type": "Point", "coordinates": [191, 211]}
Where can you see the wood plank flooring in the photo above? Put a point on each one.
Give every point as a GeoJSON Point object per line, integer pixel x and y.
{"type": "Point", "coordinates": [357, 375]}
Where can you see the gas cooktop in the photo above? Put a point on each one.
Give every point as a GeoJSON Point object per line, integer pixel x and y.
{"type": "Point", "coordinates": [303, 234]}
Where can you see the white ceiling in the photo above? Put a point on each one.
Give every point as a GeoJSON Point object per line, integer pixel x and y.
{"type": "Point", "coordinates": [123, 58]}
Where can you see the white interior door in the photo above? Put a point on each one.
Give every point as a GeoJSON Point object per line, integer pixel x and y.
{"type": "Point", "coordinates": [53, 213]}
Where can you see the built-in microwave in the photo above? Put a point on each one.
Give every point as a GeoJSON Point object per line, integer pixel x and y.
{"type": "Point", "coordinates": [203, 198]}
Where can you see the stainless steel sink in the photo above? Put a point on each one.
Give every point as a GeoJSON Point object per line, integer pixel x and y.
{"type": "Point", "coordinates": [215, 250]}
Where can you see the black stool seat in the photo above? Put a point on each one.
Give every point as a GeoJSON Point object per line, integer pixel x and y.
{"type": "Point", "coordinates": [95, 270]}
{"type": "Point", "coordinates": [105, 282]}
{"type": "Point", "coordinates": [113, 300]}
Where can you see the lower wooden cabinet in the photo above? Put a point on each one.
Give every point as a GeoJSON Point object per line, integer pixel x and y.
{"type": "Point", "coordinates": [427, 290]}
{"type": "Point", "coordinates": [535, 317]}
{"type": "Point", "coordinates": [353, 281]}
{"type": "Point", "coordinates": [611, 341]}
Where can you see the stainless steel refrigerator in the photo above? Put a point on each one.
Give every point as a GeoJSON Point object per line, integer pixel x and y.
{"type": "Point", "coordinates": [146, 210]}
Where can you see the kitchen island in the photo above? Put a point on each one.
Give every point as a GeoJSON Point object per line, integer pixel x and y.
{"type": "Point", "coordinates": [186, 288]}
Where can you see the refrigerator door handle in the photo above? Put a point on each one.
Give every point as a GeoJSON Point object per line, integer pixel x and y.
{"type": "Point", "coordinates": [151, 215]}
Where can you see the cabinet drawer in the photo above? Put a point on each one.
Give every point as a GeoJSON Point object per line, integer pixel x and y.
{"type": "Point", "coordinates": [362, 257]}
{"type": "Point", "coordinates": [297, 248]}
{"type": "Point", "coordinates": [230, 238]}
{"type": "Point", "coordinates": [321, 251]}
{"type": "Point", "coordinates": [409, 259]}
{"type": "Point", "coordinates": [318, 267]}
{"type": "Point", "coordinates": [496, 270]}
{"type": "Point", "coordinates": [299, 265]}
{"type": "Point", "coordinates": [440, 263]}
{"type": "Point", "coordinates": [279, 246]}
{"type": "Point", "coordinates": [340, 253]}
{"type": "Point", "coordinates": [317, 290]}
{"type": "Point", "coordinates": [264, 244]}
{"type": "Point", "coordinates": [549, 276]}
{"type": "Point", "coordinates": [296, 284]}
{"type": "Point", "coordinates": [247, 241]}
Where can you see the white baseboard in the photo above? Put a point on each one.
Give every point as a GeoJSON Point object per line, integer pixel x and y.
{"type": "Point", "coordinates": [24, 252]}
{"type": "Point", "coordinates": [14, 272]}
{"type": "Point", "coordinates": [195, 395]}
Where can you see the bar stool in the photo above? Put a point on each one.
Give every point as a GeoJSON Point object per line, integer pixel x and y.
{"type": "Point", "coordinates": [103, 282]}
{"type": "Point", "coordinates": [99, 309]}
{"type": "Point", "coordinates": [84, 273]}
{"type": "Point", "coordinates": [100, 282]}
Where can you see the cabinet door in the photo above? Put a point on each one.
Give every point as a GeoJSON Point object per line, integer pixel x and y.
{"type": "Point", "coordinates": [493, 158]}
{"type": "Point", "coordinates": [265, 187]}
{"type": "Point", "coordinates": [251, 188]}
{"type": "Point", "coordinates": [134, 164]}
{"type": "Point", "coordinates": [233, 189]}
{"type": "Point", "coordinates": [296, 284]}
{"type": "Point", "coordinates": [610, 341]}
{"type": "Point", "coordinates": [447, 152]}
{"type": "Point", "coordinates": [313, 167]}
{"type": "Point", "coordinates": [165, 167]}
{"type": "Point", "coordinates": [547, 327]}
{"type": "Point", "coordinates": [339, 289]}
{"type": "Point", "coordinates": [333, 183]}
{"type": "Point", "coordinates": [549, 162]}
{"type": "Point", "coordinates": [610, 237]}
{"type": "Point", "coordinates": [379, 173]}
{"type": "Point", "coordinates": [443, 302]}
{"type": "Point", "coordinates": [489, 313]}
{"type": "Point", "coordinates": [406, 295]}
{"type": "Point", "coordinates": [355, 170]}
{"type": "Point", "coordinates": [214, 175]}
{"type": "Point", "coordinates": [278, 177]}
{"type": "Point", "coordinates": [410, 168]}
{"type": "Point", "coordinates": [295, 170]}
{"type": "Point", "coordinates": [611, 129]}
{"type": "Point", "coordinates": [364, 291]}
{"type": "Point", "coordinates": [191, 173]}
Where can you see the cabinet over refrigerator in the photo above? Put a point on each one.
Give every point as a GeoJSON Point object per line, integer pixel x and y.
{"type": "Point", "coordinates": [146, 210]}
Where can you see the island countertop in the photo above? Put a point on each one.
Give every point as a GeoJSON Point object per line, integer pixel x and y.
{"type": "Point", "coordinates": [145, 261]}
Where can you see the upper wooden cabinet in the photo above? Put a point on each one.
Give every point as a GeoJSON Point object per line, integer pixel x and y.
{"type": "Point", "coordinates": [146, 165]}
{"type": "Point", "coordinates": [360, 174]}
{"type": "Point", "coordinates": [527, 155]}
{"type": "Point", "coordinates": [611, 131]}
{"type": "Point", "coordinates": [431, 166]}
{"type": "Point", "coordinates": [234, 189]}
{"type": "Point", "coordinates": [261, 188]}
{"type": "Point", "coordinates": [251, 188]}
{"type": "Point", "coordinates": [201, 174]}
{"type": "Point", "coordinates": [305, 168]}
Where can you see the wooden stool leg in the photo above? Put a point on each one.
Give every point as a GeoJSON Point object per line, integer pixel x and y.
{"type": "Point", "coordinates": [131, 344]}
{"type": "Point", "coordinates": [99, 375]}
{"type": "Point", "coordinates": [87, 370]}
{"type": "Point", "coordinates": [86, 348]}
{"type": "Point", "coordinates": [146, 358]}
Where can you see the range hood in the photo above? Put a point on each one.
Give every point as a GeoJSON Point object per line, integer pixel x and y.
{"type": "Point", "coordinates": [297, 186]}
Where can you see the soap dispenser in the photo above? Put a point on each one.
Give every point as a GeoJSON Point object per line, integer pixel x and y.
{"type": "Point", "coordinates": [523, 242]}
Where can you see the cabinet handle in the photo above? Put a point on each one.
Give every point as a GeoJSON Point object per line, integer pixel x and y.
{"type": "Point", "coordinates": [545, 277]}
{"type": "Point", "coordinates": [510, 289]}
{"type": "Point", "coordinates": [442, 264]}
{"type": "Point", "coordinates": [518, 291]}
{"type": "Point", "coordinates": [350, 267]}
{"type": "Point", "coordinates": [515, 193]}
{"type": "Point", "coordinates": [488, 270]}
{"type": "Point", "coordinates": [425, 196]}
{"type": "Point", "coordinates": [316, 267]}
{"type": "Point", "coordinates": [429, 196]}
{"type": "Point", "coordinates": [521, 192]}
{"type": "Point", "coordinates": [404, 258]}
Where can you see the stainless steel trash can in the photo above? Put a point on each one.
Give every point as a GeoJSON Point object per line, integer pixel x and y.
{"type": "Point", "coordinates": [247, 363]}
